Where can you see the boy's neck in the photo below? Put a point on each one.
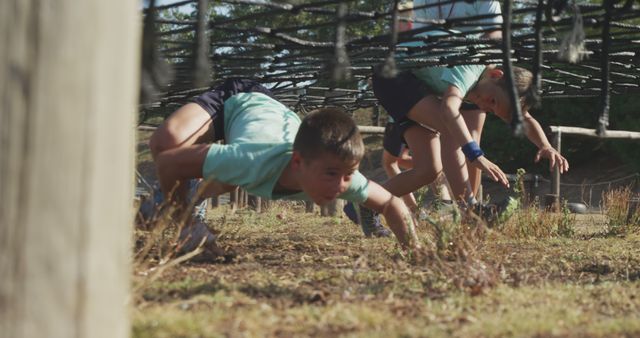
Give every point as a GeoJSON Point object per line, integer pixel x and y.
{"type": "Point", "coordinates": [474, 93]}
{"type": "Point", "coordinates": [287, 183]}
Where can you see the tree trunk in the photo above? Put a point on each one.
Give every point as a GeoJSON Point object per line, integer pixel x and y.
{"type": "Point", "coordinates": [68, 87]}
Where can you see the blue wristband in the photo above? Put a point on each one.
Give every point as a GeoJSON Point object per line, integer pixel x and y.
{"type": "Point", "coordinates": [472, 151]}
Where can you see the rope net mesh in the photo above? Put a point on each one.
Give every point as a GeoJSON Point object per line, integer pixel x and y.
{"type": "Point", "coordinates": [319, 53]}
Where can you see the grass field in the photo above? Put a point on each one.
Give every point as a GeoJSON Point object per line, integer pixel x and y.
{"type": "Point", "coordinates": [299, 274]}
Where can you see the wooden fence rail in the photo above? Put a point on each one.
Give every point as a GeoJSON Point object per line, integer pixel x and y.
{"type": "Point", "coordinates": [558, 131]}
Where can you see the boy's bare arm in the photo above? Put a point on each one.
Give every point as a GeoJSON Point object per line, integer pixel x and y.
{"type": "Point", "coordinates": [536, 135]}
{"type": "Point", "coordinates": [453, 120]}
{"type": "Point", "coordinates": [398, 217]}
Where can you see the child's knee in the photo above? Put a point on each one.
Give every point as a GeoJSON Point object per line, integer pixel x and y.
{"type": "Point", "coordinates": [161, 140]}
{"type": "Point", "coordinates": [164, 164]}
{"type": "Point", "coordinates": [427, 175]}
{"type": "Point", "coordinates": [156, 143]}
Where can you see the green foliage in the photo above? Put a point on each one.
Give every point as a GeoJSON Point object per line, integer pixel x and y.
{"type": "Point", "coordinates": [518, 187]}
{"type": "Point", "coordinates": [566, 223]}
{"type": "Point", "coordinates": [533, 222]}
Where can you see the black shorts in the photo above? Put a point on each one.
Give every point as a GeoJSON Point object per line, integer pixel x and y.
{"type": "Point", "coordinates": [393, 141]}
{"type": "Point", "coordinates": [468, 106]}
{"type": "Point", "coordinates": [213, 100]}
{"type": "Point", "coordinates": [399, 94]}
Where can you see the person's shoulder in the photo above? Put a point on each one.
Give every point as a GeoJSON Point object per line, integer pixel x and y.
{"type": "Point", "coordinates": [250, 100]}
{"type": "Point", "coordinates": [486, 7]}
{"type": "Point", "coordinates": [253, 96]}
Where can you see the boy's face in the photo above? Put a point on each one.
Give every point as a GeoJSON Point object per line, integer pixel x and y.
{"type": "Point", "coordinates": [498, 103]}
{"type": "Point", "coordinates": [325, 177]}
{"type": "Point", "coordinates": [492, 97]}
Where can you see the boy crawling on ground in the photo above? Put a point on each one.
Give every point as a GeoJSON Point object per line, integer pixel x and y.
{"type": "Point", "coordinates": [268, 151]}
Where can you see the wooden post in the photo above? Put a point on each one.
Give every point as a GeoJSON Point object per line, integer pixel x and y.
{"type": "Point", "coordinates": [331, 208]}
{"type": "Point", "coordinates": [266, 205]}
{"type": "Point", "coordinates": [375, 115]}
{"type": "Point", "coordinates": [69, 88]}
{"type": "Point", "coordinates": [255, 203]}
{"type": "Point", "coordinates": [309, 206]}
{"type": "Point", "coordinates": [215, 202]}
{"type": "Point", "coordinates": [240, 198]}
{"type": "Point", "coordinates": [233, 199]}
{"type": "Point", "coordinates": [555, 187]}
{"type": "Point", "coordinates": [324, 210]}
{"type": "Point", "coordinates": [634, 205]}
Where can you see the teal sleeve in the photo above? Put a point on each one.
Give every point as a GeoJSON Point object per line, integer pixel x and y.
{"type": "Point", "coordinates": [229, 163]}
{"type": "Point", "coordinates": [255, 167]}
{"type": "Point", "coordinates": [358, 191]}
{"type": "Point", "coordinates": [463, 77]}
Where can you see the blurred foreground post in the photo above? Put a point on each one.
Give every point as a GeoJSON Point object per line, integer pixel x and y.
{"type": "Point", "coordinates": [68, 94]}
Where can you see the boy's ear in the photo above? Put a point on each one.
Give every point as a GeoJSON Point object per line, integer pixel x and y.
{"type": "Point", "coordinates": [296, 160]}
{"type": "Point", "coordinates": [496, 73]}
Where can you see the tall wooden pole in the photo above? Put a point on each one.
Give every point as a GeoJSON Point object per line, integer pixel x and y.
{"type": "Point", "coordinates": [68, 93]}
{"type": "Point", "coordinates": [556, 172]}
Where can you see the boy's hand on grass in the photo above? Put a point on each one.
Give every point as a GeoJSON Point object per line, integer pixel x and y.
{"type": "Point", "coordinates": [554, 158]}
{"type": "Point", "coordinates": [417, 255]}
{"type": "Point", "coordinates": [492, 170]}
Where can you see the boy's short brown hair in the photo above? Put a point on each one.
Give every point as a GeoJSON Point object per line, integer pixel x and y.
{"type": "Point", "coordinates": [329, 131]}
{"type": "Point", "coordinates": [523, 80]}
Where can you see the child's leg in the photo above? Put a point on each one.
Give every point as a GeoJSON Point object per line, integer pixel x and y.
{"type": "Point", "coordinates": [425, 149]}
{"type": "Point", "coordinates": [441, 188]}
{"type": "Point", "coordinates": [178, 165]}
{"type": "Point", "coordinates": [464, 180]}
{"type": "Point", "coordinates": [391, 166]}
{"type": "Point", "coordinates": [187, 126]}
{"type": "Point", "coordinates": [425, 112]}
{"type": "Point", "coordinates": [455, 168]}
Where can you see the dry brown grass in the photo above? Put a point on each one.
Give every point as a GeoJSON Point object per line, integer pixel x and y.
{"type": "Point", "coordinates": [616, 206]}
{"type": "Point", "coordinates": [299, 274]}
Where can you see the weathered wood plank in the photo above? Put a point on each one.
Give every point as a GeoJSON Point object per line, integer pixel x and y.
{"type": "Point", "coordinates": [69, 87]}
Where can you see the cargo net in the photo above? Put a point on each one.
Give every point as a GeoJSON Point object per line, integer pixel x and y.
{"type": "Point", "coordinates": [319, 53]}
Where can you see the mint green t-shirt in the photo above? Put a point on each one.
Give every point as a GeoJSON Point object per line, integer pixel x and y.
{"type": "Point", "coordinates": [440, 78]}
{"type": "Point", "coordinates": [464, 76]}
{"type": "Point", "coordinates": [259, 134]}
